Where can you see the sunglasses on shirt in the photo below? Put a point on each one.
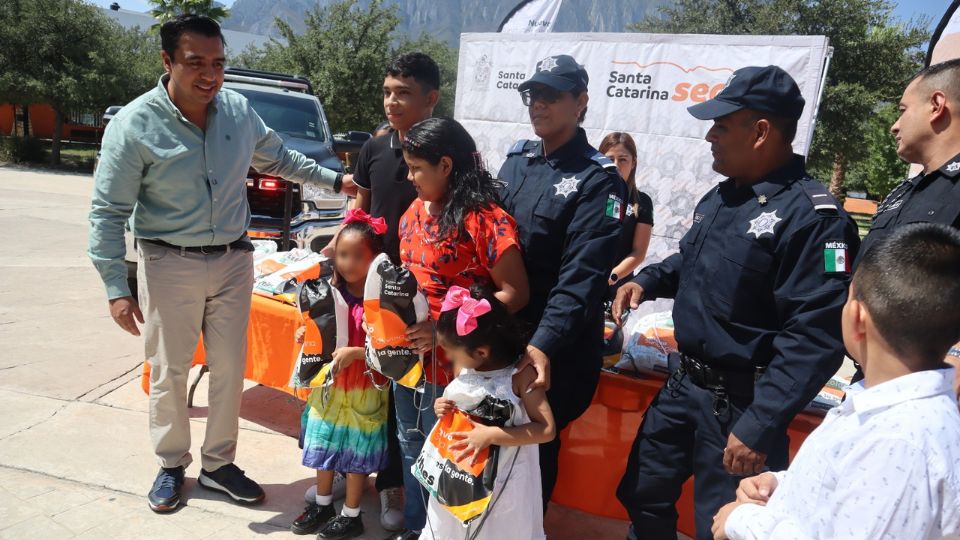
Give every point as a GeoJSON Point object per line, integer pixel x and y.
{"type": "Point", "coordinates": [545, 93]}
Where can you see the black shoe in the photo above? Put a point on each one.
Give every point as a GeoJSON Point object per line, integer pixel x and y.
{"type": "Point", "coordinates": [164, 496]}
{"type": "Point", "coordinates": [341, 527]}
{"type": "Point", "coordinates": [230, 479]}
{"type": "Point", "coordinates": [403, 535]}
{"type": "Point", "coordinates": [312, 518]}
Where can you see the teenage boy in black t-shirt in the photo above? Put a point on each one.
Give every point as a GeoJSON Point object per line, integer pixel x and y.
{"type": "Point", "coordinates": [411, 88]}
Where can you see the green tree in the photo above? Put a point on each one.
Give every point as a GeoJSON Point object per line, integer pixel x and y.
{"type": "Point", "coordinates": [65, 52]}
{"type": "Point", "coordinates": [882, 169]}
{"type": "Point", "coordinates": [872, 56]}
{"type": "Point", "coordinates": [343, 52]}
{"type": "Point", "coordinates": [164, 10]}
{"type": "Point", "coordinates": [14, 57]}
{"type": "Point", "coordinates": [137, 57]}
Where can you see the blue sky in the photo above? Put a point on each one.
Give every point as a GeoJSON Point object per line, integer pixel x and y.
{"type": "Point", "coordinates": [933, 9]}
{"type": "Point", "coordinates": [906, 9]}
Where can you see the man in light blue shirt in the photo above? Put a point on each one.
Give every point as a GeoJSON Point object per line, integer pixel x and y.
{"type": "Point", "coordinates": [174, 164]}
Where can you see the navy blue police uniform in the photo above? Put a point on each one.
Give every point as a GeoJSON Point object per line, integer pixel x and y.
{"type": "Point", "coordinates": [759, 284]}
{"type": "Point", "coordinates": [926, 198]}
{"type": "Point", "coordinates": [568, 206]}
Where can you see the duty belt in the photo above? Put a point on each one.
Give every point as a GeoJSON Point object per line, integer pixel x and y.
{"type": "Point", "coordinates": [737, 383]}
{"type": "Point", "coordinates": [243, 244]}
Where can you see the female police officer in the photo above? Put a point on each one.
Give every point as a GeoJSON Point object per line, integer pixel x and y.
{"type": "Point", "coordinates": [568, 203]}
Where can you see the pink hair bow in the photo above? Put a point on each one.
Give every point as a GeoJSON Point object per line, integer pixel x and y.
{"type": "Point", "coordinates": [470, 308]}
{"type": "Point", "coordinates": [356, 215]}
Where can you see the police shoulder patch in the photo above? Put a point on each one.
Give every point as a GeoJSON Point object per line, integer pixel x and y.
{"type": "Point", "coordinates": [521, 146]}
{"type": "Point", "coordinates": [614, 208]}
{"type": "Point", "coordinates": [823, 202]}
{"type": "Point", "coordinates": [517, 147]}
{"type": "Point", "coordinates": [836, 258]}
{"type": "Point", "coordinates": [600, 159]}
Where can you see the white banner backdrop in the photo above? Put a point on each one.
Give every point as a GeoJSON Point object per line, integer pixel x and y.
{"type": "Point", "coordinates": [947, 38]}
{"type": "Point", "coordinates": [532, 16]}
{"type": "Point", "coordinates": [640, 84]}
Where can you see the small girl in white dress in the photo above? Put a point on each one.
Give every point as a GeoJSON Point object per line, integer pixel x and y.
{"type": "Point", "coordinates": [483, 341]}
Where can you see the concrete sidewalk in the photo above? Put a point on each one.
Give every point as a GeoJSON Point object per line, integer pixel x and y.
{"type": "Point", "coordinates": [75, 457]}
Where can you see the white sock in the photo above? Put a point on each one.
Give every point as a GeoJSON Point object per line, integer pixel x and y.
{"type": "Point", "coordinates": [325, 500]}
{"type": "Point", "coordinates": [350, 512]}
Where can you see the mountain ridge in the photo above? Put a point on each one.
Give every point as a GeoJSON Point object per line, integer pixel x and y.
{"type": "Point", "coordinates": [447, 19]}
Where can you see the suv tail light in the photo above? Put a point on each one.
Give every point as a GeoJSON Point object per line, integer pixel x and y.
{"type": "Point", "coordinates": [270, 184]}
{"type": "Point", "coordinates": [266, 194]}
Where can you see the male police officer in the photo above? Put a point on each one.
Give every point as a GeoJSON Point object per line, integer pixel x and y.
{"type": "Point", "coordinates": [568, 202]}
{"type": "Point", "coordinates": [928, 133]}
{"type": "Point", "coordinates": [759, 282]}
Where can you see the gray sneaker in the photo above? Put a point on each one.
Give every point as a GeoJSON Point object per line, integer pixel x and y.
{"type": "Point", "coordinates": [391, 509]}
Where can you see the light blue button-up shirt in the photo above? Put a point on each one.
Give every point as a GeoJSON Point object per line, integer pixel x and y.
{"type": "Point", "coordinates": [180, 184]}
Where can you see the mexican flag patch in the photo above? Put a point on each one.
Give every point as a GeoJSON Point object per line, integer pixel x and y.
{"type": "Point", "coordinates": [614, 207]}
{"type": "Point", "coordinates": [835, 258]}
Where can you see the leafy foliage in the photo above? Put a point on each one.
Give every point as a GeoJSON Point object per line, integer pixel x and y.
{"type": "Point", "coordinates": [344, 52]}
{"type": "Point", "coordinates": [164, 10]}
{"type": "Point", "coordinates": [873, 56]}
{"type": "Point", "coordinates": [67, 54]}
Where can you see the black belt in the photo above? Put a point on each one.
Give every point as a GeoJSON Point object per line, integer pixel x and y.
{"type": "Point", "coordinates": [243, 244]}
{"type": "Point", "coordinates": [737, 383]}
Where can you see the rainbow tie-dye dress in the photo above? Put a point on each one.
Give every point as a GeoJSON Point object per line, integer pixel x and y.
{"type": "Point", "coordinates": [344, 426]}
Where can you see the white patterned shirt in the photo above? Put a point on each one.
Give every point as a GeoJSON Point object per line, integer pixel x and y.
{"type": "Point", "coordinates": [885, 464]}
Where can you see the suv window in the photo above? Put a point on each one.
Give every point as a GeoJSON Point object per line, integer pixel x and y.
{"type": "Point", "coordinates": [293, 116]}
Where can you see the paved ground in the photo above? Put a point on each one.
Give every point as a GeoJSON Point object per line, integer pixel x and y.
{"type": "Point", "coordinates": [75, 458]}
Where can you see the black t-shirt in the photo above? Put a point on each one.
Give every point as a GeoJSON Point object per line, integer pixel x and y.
{"type": "Point", "coordinates": [639, 210]}
{"type": "Point", "coordinates": [381, 170]}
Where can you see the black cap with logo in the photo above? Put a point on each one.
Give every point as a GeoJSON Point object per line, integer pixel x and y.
{"type": "Point", "coordinates": [560, 72]}
{"type": "Point", "coordinates": [766, 89]}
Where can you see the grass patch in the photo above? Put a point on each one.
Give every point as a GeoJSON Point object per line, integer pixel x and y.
{"type": "Point", "coordinates": [74, 157]}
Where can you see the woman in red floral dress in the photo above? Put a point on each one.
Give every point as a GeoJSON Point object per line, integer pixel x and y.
{"type": "Point", "coordinates": [454, 233]}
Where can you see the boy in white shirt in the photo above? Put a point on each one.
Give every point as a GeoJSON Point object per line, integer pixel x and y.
{"type": "Point", "coordinates": [886, 462]}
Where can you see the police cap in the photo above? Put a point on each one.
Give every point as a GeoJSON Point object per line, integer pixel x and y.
{"type": "Point", "coordinates": [766, 89]}
{"type": "Point", "coordinates": [560, 72]}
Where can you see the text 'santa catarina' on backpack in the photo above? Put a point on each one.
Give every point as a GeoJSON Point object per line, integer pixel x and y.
{"type": "Point", "coordinates": [464, 488]}
{"type": "Point", "coordinates": [325, 314]}
{"type": "Point", "coordinates": [391, 303]}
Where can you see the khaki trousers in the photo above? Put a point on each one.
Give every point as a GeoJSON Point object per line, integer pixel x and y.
{"type": "Point", "coordinates": [182, 295]}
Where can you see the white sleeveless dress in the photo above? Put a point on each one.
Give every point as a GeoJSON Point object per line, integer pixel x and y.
{"type": "Point", "coordinates": [516, 508]}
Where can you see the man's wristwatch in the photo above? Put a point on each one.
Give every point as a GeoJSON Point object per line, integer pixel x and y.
{"type": "Point", "coordinates": [338, 183]}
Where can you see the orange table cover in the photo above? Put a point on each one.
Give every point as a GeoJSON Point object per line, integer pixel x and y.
{"type": "Point", "coordinates": [594, 449]}
{"type": "Point", "coordinates": [271, 349]}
